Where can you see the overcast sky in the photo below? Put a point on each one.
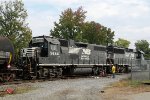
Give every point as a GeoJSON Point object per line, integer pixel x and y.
{"type": "Point", "coordinates": [130, 19]}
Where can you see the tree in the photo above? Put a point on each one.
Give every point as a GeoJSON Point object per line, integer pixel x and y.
{"type": "Point", "coordinates": [95, 33]}
{"type": "Point", "coordinates": [143, 45]}
{"type": "Point", "coordinates": [122, 43]}
{"type": "Point", "coordinates": [13, 24]}
{"type": "Point", "coordinates": [90, 32]}
{"type": "Point", "coordinates": [70, 24]}
{"type": "Point", "coordinates": [110, 35]}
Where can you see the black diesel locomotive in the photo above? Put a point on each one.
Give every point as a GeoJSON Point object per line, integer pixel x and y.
{"type": "Point", "coordinates": [51, 57]}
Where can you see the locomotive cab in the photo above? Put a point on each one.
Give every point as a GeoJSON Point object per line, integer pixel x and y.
{"type": "Point", "coordinates": [42, 44]}
{"type": "Point", "coordinates": [46, 49]}
{"type": "Point", "coordinates": [43, 52]}
{"type": "Point", "coordinates": [139, 55]}
{"type": "Point", "coordinates": [49, 52]}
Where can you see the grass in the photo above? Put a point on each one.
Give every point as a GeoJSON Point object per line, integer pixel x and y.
{"type": "Point", "coordinates": [135, 83]}
{"type": "Point", "coordinates": [132, 86]}
{"type": "Point", "coordinates": [21, 90]}
{"type": "Point", "coordinates": [146, 81]}
{"type": "Point", "coordinates": [120, 90]}
{"type": "Point", "coordinates": [131, 83]}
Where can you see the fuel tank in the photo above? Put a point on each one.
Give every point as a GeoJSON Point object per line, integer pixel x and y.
{"type": "Point", "coordinates": [77, 71]}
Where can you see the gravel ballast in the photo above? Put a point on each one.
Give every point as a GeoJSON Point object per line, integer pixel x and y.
{"type": "Point", "coordinates": [68, 89]}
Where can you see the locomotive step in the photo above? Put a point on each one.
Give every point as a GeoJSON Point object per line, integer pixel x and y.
{"type": "Point", "coordinates": [31, 72]}
{"type": "Point", "coordinates": [33, 77]}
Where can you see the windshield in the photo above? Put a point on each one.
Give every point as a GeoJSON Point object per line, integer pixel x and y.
{"type": "Point", "coordinates": [37, 45]}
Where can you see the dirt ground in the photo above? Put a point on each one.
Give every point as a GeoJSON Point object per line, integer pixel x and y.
{"type": "Point", "coordinates": [126, 90]}
{"type": "Point", "coordinates": [92, 88]}
{"type": "Point", "coordinates": [67, 89]}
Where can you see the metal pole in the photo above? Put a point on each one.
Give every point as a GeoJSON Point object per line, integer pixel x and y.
{"type": "Point", "coordinates": [149, 70]}
{"type": "Point", "coordinates": [131, 69]}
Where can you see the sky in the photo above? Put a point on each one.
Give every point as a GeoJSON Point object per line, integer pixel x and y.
{"type": "Point", "coordinates": [130, 19]}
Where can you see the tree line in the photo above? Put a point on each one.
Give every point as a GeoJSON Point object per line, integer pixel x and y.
{"type": "Point", "coordinates": [71, 25]}
{"type": "Point", "coordinates": [13, 23]}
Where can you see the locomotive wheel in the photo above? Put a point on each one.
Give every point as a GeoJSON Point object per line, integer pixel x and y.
{"type": "Point", "coordinates": [59, 72]}
{"type": "Point", "coordinates": [121, 69]}
{"type": "Point", "coordinates": [102, 72]}
{"type": "Point", "coordinates": [7, 77]}
{"type": "Point", "coordinates": [1, 77]}
{"type": "Point", "coordinates": [39, 74]}
{"type": "Point", "coordinates": [10, 77]}
{"type": "Point", "coordinates": [96, 71]}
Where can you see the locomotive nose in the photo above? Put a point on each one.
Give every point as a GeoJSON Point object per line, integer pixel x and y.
{"type": "Point", "coordinates": [30, 52]}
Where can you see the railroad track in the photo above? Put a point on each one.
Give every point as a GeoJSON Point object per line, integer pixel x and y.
{"type": "Point", "coordinates": [53, 79]}
{"type": "Point", "coordinates": [44, 79]}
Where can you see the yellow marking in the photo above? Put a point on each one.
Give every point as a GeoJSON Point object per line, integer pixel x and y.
{"type": "Point", "coordinates": [10, 58]}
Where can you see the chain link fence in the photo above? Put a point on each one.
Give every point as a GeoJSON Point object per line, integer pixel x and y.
{"type": "Point", "coordinates": [140, 70]}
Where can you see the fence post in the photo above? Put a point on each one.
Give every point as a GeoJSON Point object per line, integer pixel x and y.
{"type": "Point", "coordinates": [149, 70]}
{"type": "Point", "coordinates": [131, 69]}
